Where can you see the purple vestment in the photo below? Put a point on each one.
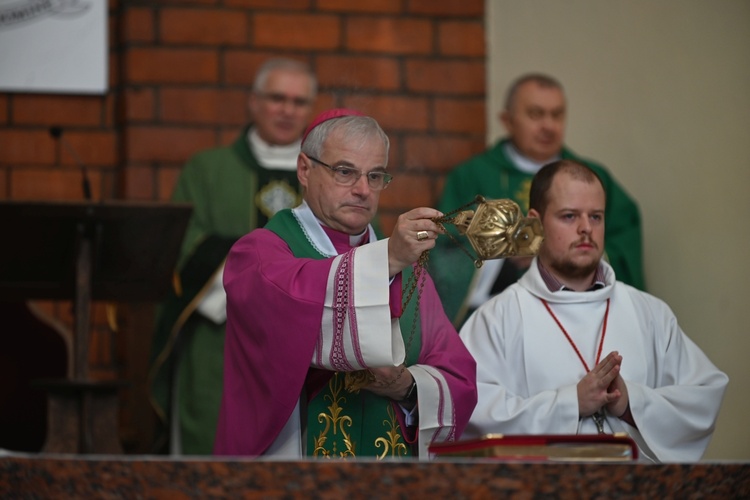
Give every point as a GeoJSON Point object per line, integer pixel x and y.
{"type": "Point", "coordinates": [274, 313]}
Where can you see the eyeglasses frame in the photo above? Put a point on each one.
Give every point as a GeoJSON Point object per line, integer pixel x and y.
{"type": "Point", "coordinates": [387, 178]}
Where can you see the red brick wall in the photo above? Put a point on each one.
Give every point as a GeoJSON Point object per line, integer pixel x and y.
{"type": "Point", "coordinates": [179, 74]}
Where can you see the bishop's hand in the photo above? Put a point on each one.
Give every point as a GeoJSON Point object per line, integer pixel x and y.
{"type": "Point", "coordinates": [415, 232]}
{"type": "Point", "coordinates": [391, 382]}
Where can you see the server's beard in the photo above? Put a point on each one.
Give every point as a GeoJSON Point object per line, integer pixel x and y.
{"type": "Point", "coordinates": [572, 270]}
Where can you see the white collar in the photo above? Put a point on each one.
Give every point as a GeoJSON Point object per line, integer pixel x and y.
{"type": "Point", "coordinates": [273, 157]}
{"type": "Point", "coordinates": [533, 282]}
{"type": "Point", "coordinates": [313, 229]}
{"type": "Point", "coordinates": [524, 163]}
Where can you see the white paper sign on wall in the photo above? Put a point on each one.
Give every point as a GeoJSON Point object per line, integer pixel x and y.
{"type": "Point", "coordinates": [53, 46]}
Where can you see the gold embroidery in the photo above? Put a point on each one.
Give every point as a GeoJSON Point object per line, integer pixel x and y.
{"type": "Point", "coordinates": [335, 425]}
{"type": "Point", "coordinates": [354, 381]}
{"type": "Point", "coordinates": [274, 196]}
{"type": "Point", "coordinates": [334, 421]}
{"type": "Point", "coordinates": [522, 195]}
{"type": "Point", "coordinates": [392, 441]}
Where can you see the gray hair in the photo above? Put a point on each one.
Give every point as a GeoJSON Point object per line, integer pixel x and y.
{"type": "Point", "coordinates": [283, 64]}
{"type": "Point", "coordinates": [540, 79]}
{"type": "Point", "coordinates": [356, 129]}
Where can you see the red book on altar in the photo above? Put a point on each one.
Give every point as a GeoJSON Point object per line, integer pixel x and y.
{"type": "Point", "coordinates": [544, 447]}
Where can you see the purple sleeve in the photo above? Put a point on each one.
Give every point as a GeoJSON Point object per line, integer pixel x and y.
{"type": "Point", "coordinates": [443, 349]}
{"type": "Point", "coordinates": [267, 350]}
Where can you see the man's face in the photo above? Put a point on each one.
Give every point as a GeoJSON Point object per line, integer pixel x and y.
{"type": "Point", "coordinates": [536, 121]}
{"type": "Point", "coordinates": [282, 110]}
{"type": "Point", "coordinates": [345, 208]}
{"type": "Point", "coordinates": [573, 228]}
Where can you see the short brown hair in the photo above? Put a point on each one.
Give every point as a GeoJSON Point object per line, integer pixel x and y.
{"type": "Point", "coordinates": [542, 181]}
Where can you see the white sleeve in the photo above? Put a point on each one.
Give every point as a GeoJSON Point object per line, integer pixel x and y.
{"type": "Point", "coordinates": [214, 303]}
{"type": "Point", "coordinates": [357, 329]}
{"type": "Point", "coordinates": [676, 417]}
{"type": "Point", "coordinates": [494, 336]}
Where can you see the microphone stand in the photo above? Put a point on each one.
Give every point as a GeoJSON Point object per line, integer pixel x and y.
{"type": "Point", "coordinates": [57, 133]}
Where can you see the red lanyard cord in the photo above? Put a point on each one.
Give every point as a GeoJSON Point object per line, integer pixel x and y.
{"type": "Point", "coordinates": [573, 344]}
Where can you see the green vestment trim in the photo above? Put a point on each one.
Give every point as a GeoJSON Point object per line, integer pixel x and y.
{"type": "Point", "coordinates": [342, 424]}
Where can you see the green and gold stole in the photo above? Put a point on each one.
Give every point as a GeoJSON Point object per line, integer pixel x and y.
{"type": "Point", "coordinates": [341, 424]}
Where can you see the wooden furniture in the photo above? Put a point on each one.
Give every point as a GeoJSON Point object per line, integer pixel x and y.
{"type": "Point", "coordinates": [86, 251]}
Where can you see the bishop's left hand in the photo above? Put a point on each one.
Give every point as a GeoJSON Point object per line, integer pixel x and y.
{"type": "Point", "coordinates": [391, 382]}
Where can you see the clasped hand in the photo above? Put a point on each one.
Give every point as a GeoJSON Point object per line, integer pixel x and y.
{"type": "Point", "coordinates": [603, 387]}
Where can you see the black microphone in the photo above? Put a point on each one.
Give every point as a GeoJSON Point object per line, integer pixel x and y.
{"type": "Point", "coordinates": [57, 134]}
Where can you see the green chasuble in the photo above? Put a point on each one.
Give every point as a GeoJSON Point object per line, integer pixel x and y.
{"type": "Point", "coordinates": [231, 195]}
{"type": "Point", "coordinates": [493, 175]}
{"type": "Point", "coordinates": [341, 424]}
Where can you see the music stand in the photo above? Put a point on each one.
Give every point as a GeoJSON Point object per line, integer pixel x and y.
{"type": "Point", "coordinates": [84, 251]}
